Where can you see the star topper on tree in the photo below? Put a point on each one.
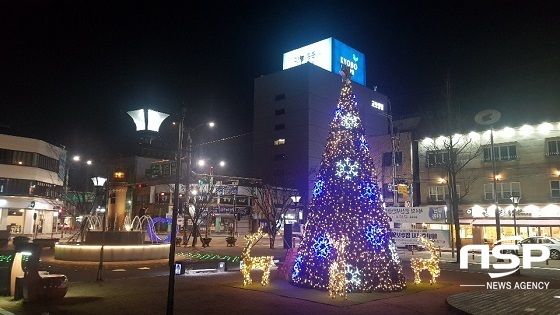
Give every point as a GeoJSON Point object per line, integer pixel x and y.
{"type": "Point", "coordinates": [347, 203]}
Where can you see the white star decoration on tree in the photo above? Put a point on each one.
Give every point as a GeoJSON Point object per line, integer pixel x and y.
{"type": "Point", "coordinates": [347, 168]}
{"type": "Point", "coordinates": [349, 121]}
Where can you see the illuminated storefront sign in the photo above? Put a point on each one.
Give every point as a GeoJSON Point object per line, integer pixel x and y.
{"type": "Point", "coordinates": [329, 54]}
{"type": "Point", "coordinates": [426, 215]}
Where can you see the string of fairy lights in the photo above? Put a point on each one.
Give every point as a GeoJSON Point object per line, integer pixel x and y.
{"type": "Point", "coordinates": [347, 203]}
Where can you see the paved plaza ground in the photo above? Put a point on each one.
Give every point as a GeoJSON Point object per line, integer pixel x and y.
{"type": "Point", "coordinates": [141, 288]}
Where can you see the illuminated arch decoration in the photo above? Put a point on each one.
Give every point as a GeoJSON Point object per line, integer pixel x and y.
{"type": "Point", "coordinates": [349, 121]}
{"type": "Point", "coordinates": [322, 246]}
{"type": "Point", "coordinates": [363, 143]}
{"type": "Point", "coordinates": [347, 169]}
{"type": "Point", "coordinates": [368, 191]}
{"type": "Point", "coordinates": [152, 232]}
{"type": "Point", "coordinates": [318, 188]}
{"type": "Point", "coordinates": [375, 235]}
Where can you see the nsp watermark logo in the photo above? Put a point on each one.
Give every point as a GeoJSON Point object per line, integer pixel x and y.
{"type": "Point", "coordinates": [505, 251]}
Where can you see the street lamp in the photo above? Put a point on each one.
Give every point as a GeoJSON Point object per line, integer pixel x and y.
{"type": "Point", "coordinates": [288, 243]}
{"type": "Point", "coordinates": [515, 201]}
{"type": "Point", "coordinates": [150, 120]}
{"type": "Point", "coordinates": [99, 182]}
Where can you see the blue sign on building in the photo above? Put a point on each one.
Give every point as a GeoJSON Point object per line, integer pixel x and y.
{"type": "Point", "coordinates": [355, 60]}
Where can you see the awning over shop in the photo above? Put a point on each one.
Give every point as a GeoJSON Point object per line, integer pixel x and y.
{"type": "Point", "coordinates": [509, 222]}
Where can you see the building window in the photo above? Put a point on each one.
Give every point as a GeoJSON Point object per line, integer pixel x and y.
{"type": "Point", "coordinates": [555, 188]}
{"type": "Point", "coordinates": [279, 157]}
{"type": "Point", "coordinates": [504, 190]}
{"type": "Point", "coordinates": [279, 127]}
{"type": "Point", "coordinates": [501, 153]}
{"type": "Point", "coordinates": [280, 97]}
{"type": "Point", "coordinates": [553, 147]}
{"type": "Point", "coordinates": [279, 112]}
{"type": "Point", "coordinates": [279, 141]}
{"type": "Point", "coordinates": [436, 158]}
{"type": "Point", "coordinates": [438, 193]}
{"type": "Point", "coordinates": [388, 159]}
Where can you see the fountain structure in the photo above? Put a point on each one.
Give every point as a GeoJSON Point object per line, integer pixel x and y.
{"type": "Point", "coordinates": [119, 241]}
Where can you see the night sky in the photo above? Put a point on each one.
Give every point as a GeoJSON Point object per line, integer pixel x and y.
{"type": "Point", "coordinates": [71, 69]}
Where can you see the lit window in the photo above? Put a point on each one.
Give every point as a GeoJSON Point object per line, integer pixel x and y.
{"type": "Point", "coordinates": [504, 190]}
{"type": "Point", "coordinates": [279, 141]}
{"type": "Point", "coordinates": [555, 188]}
{"type": "Point", "coordinates": [501, 153]}
{"type": "Point", "coordinates": [553, 147]}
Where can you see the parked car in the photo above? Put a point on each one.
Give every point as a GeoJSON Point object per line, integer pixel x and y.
{"type": "Point", "coordinates": [552, 243]}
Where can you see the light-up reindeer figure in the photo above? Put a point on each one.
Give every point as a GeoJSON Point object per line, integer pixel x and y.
{"type": "Point", "coordinates": [337, 269]}
{"type": "Point", "coordinates": [250, 263]}
{"type": "Point", "coordinates": [431, 264]}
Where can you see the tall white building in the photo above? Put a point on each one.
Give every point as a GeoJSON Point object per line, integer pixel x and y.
{"type": "Point", "coordinates": [31, 178]}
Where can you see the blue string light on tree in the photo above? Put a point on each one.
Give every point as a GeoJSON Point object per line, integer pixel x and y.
{"type": "Point", "coordinates": [347, 168]}
{"type": "Point", "coordinates": [318, 188]}
{"type": "Point", "coordinates": [363, 143]}
{"type": "Point", "coordinates": [297, 267]}
{"type": "Point", "coordinates": [368, 191]}
{"type": "Point", "coordinates": [322, 246]}
{"type": "Point", "coordinates": [376, 235]}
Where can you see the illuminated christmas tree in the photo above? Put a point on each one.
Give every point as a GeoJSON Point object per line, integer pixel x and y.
{"type": "Point", "coordinates": [347, 203]}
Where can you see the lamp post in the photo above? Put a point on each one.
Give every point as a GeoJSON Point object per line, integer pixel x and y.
{"type": "Point", "coordinates": [150, 120]}
{"type": "Point", "coordinates": [490, 117]}
{"type": "Point", "coordinates": [515, 200]}
{"type": "Point", "coordinates": [288, 243]}
{"type": "Point", "coordinates": [99, 182]}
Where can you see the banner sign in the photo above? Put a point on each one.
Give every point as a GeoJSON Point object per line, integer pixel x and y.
{"type": "Point", "coordinates": [404, 237]}
{"type": "Point", "coordinates": [417, 214]}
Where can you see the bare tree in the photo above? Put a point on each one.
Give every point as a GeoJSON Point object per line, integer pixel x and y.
{"type": "Point", "coordinates": [197, 210]}
{"type": "Point", "coordinates": [451, 154]}
{"type": "Point", "coordinates": [273, 203]}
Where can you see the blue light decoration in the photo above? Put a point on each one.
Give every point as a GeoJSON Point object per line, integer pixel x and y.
{"type": "Point", "coordinates": [297, 267]}
{"type": "Point", "coordinates": [318, 187]}
{"type": "Point", "coordinates": [369, 191]}
{"type": "Point", "coordinates": [322, 246]}
{"type": "Point", "coordinates": [347, 203]}
{"type": "Point", "coordinates": [363, 143]}
{"type": "Point", "coordinates": [347, 169]}
{"type": "Point", "coordinates": [151, 230]}
{"type": "Point", "coordinates": [376, 235]}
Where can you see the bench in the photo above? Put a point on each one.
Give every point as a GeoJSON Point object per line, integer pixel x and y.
{"type": "Point", "coordinates": [4, 237]}
{"type": "Point", "coordinates": [285, 267]}
{"type": "Point", "coordinates": [186, 266]}
{"type": "Point", "coordinates": [46, 242]}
